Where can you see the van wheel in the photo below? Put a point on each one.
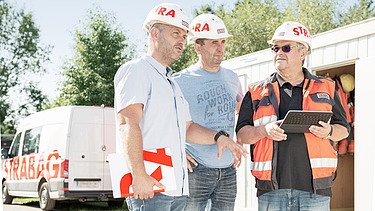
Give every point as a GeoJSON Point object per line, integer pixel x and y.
{"type": "Point", "coordinates": [116, 203]}
{"type": "Point", "coordinates": [7, 199]}
{"type": "Point", "coordinates": [45, 202]}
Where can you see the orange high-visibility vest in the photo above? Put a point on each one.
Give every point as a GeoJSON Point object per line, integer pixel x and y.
{"type": "Point", "coordinates": [318, 95]}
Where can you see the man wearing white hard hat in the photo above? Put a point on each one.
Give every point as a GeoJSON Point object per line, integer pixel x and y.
{"type": "Point", "coordinates": [212, 93]}
{"type": "Point", "coordinates": [294, 169]}
{"type": "Point", "coordinates": [152, 113]}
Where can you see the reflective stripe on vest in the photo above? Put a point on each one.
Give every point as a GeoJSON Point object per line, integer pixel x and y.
{"type": "Point", "coordinates": [265, 120]}
{"type": "Point", "coordinates": [261, 166]}
{"type": "Point", "coordinates": [323, 162]}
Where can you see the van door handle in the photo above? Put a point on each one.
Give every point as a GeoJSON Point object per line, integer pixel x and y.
{"type": "Point", "coordinates": [104, 148]}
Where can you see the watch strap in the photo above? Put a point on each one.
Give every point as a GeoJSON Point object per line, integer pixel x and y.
{"type": "Point", "coordinates": [220, 133]}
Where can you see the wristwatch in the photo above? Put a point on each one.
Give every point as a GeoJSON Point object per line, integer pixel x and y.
{"type": "Point", "coordinates": [220, 133]}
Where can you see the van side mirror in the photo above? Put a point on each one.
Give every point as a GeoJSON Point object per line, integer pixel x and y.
{"type": "Point", "coordinates": [4, 156]}
{"type": "Point", "coordinates": [4, 153]}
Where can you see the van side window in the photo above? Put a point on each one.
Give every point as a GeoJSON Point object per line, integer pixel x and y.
{"type": "Point", "coordinates": [31, 141]}
{"type": "Point", "coordinates": [15, 147]}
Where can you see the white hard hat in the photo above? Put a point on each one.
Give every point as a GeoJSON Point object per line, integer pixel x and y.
{"type": "Point", "coordinates": [292, 31]}
{"type": "Point", "coordinates": [167, 13]}
{"type": "Point", "coordinates": [207, 26]}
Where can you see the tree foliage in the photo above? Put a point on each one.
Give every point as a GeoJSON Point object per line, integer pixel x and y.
{"type": "Point", "coordinates": [187, 58]}
{"type": "Point", "coordinates": [21, 54]}
{"type": "Point", "coordinates": [100, 49]}
{"type": "Point", "coordinates": [253, 22]}
{"type": "Point", "coordinates": [362, 10]}
{"type": "Point", "coordinates": [317, 15]}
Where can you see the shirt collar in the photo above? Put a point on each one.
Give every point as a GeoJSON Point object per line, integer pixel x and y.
{"type": "Point", "coordinates": [275, 77]}
{"type": "Point", "coordinates": [158, 66]}
{"type": "Point", "coordinates": [308, 75]}
{"type": "Point", "coordinates": [282, 81]}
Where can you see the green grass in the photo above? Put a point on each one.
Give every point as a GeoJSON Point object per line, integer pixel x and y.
{"type": "Point", "coordinates": [24, 200]}
{"type": "Point", "coordinates": [69, 205]}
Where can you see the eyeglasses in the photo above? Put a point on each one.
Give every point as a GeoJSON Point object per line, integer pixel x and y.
{"type": "Point", "coordinates": [284, 48]}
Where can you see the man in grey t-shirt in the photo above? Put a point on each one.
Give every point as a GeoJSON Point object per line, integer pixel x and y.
{"type": "Point", "coordinates": [212, 93]}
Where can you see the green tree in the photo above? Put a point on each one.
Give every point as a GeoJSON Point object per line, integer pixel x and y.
{"type": "Point", "coordinates": [252, 23]}
{"type": "Point", "coordinates": [21, 55]}
{"type": "Point", "coordinates": [187, 58]}
{"type": "Point", "coordinates": [317, 15]}
{"type": "Point", "coordinates": [360, 11]}
{"type": "Point", "coordinates": [100, 49]}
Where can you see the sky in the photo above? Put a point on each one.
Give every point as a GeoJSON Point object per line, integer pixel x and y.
{"type": "Point", "coordinates": [58, 19]}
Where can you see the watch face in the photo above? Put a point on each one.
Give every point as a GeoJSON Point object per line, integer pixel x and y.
{"type": "Point", "coordinates": [225, 134]}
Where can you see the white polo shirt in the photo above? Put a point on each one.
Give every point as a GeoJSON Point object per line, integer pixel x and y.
{"type": "Point", "coordinates": [165, 111]}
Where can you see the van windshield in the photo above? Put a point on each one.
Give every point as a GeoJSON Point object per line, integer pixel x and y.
{"type": "Point", "coordinates": [15, 146]}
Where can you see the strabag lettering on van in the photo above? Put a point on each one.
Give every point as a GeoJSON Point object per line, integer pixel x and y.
{"type": "Point", "coordinates": [33, 166]}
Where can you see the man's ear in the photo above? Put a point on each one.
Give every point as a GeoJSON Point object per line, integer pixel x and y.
{"type": "Point", "coordinates": [303, 54]}
{"type": "Point", "coordinates": [154, 32]}
{"type": "Point", "coordinates": [197, 48]}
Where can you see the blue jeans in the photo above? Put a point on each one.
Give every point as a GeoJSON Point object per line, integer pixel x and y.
{"type": "Point", "coordinates": [291, 199]}
{"type": "Point", "coordinates": [159, 202]}
{"type": "Point", "coordinates": [217, 184]}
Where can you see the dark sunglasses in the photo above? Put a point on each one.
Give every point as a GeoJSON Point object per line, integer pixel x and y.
{"type": "Point", "coordinates": [285, 48]}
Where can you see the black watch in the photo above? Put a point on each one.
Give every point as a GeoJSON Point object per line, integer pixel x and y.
{"type": "Point", "coordinates": [220, 133]}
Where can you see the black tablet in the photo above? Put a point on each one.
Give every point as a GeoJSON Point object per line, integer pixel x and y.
{"type": "Point", "coordinates": [297, 121]}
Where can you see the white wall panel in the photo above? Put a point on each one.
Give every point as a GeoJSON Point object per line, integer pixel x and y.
{"type": "Point", "coordinates": [316, 57]}
{"type": "Point", "coordinates": [263, 70]}
{"type": "Point", "coordinates": [353, 48]}
{"type": "Point", "coordinates": [255, 76]}
{"type": "Point", "coordinates": [371, 46]}
{"type": "Point", "coordinates": [341, 51]}
{"type": "Point", "coordinates": [329, 54]}
{"type": "Point", "coordinates": [362, 47]}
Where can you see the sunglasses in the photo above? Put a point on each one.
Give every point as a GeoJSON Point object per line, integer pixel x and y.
{"type": "Point", "coordinates": [284, 48]}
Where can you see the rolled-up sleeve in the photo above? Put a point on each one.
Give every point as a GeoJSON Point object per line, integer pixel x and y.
{"type": "Point", "coordinates": [245, 116]}
{"type": "Point", "coordinates": [131, 86]}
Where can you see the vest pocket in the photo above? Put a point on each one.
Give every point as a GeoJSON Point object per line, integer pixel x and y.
{"type": "Point", "coordinates": [322, 97]}
{"type": "Point", "coordinates": [265, 101]}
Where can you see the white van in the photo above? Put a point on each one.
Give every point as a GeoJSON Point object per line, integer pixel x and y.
{"type": "Point", "coordinates": [60, 154]}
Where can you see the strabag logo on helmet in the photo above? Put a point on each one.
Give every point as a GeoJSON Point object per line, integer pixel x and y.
{"type": "Point", "coordinates": [161, 10]}
{"type": "Point", "coordinates": [301, 31]}
{"type": "Point", "coordinates": [197, 27]}
{"type": "Point", "coordinates": [167, 13]}
{"type": "Point", "coordinates": [207, 26]}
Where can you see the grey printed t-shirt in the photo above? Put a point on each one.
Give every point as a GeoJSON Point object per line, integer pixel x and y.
{"type": "Point", "coordinates": [212, 99]}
